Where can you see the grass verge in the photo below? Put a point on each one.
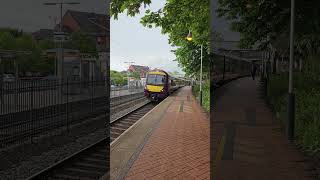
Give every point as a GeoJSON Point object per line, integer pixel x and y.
{"type": "Point", "coordinates": [307, 106]}
{"type": "Point", "coordinates": [205, 94]}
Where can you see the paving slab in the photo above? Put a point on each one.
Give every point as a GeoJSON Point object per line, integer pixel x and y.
{"type": "Point", "coordinates": [248, 143]}
{"type": "Point", "coordinates": [179, 148]}
{"type": "Point", "coordinates": [124, 149]}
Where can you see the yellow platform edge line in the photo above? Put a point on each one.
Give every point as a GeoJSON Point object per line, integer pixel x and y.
{"type": "Point", "coordinates": [219, 152]}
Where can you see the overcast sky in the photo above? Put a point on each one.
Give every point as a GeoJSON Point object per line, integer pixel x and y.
{"type": "Point", "coordinates": [32, 15]}
{"type": "Point", "coordinates": [130, 41]}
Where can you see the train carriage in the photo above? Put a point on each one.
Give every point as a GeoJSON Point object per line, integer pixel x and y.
{"type": "Point", "coordinates": [159, 84]}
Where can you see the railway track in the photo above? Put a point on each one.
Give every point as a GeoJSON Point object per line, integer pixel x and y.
{"type": "Point", "coordinates": [118, 126]}
{"type": "Point", "coordinates": [116, 107]}
{"type": "Point", "coordinates": [88, 164]}
{"type": "Point", "coordinates": [15, 127]}
{"type": "Point", "coordinates": [92, 162]}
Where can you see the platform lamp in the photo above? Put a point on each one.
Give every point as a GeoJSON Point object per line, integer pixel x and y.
{"type": "Point", "coordinates": [189, 38]}
{"type": "Point", "coordinates": [291, 101]}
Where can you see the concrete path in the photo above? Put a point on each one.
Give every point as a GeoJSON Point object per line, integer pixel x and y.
{"type": "Point", "coordinates": [247, 142]}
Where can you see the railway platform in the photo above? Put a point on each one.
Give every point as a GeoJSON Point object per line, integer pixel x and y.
{"type": "Point", "coordinates": [248, 143]}
{"type": "Point", "coordinates": [172, 141]}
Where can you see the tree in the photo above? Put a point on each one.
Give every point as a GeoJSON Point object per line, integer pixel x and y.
{"type": "Point", "coordinates": [135, 75]}
{"type": "Point", "coordinates": [83, 42]}
{"type": "Point", "coordinates": [11, 39]}
{"type": "Point", "coordinates": [46, 44]}
{"type": "Point", "coordinates": [117, 78]}
{"type": "Point", "coordinates": [268, 22]}
{"type": "Point", "coordinates": [7, 41]}
{"type": "Point", "coordinates": [175, 73]}
{"type": "Point", "coordinates": [176, 18]}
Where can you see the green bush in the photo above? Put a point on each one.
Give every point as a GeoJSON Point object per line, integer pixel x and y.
{"type": "Point", "coordinates": [307, 106]}
{"type": "Point", "coordinates": [205, 94]}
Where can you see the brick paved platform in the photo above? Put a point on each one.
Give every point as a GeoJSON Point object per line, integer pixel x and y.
{"type": "Point", "coordinates": [178, 147]}
{"type": "Point", "coordinates": [248, 143]}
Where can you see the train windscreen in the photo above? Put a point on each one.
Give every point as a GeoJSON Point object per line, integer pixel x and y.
{"type": "Point", "coordinates": [154, 79]}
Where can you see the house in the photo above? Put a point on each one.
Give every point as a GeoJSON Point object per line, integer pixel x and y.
{"type": "Point", "coordinates": [141, 69]}
{"type": "Point", "coordinates": [95, 25]}
{"type": "Point", "coordinates": [92, 24]}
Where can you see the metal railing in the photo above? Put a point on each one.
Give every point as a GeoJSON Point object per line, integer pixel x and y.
{"type": "Point", "coordinates": [29, 108]}
{"type": "Point", "coordinates": [123, 91]}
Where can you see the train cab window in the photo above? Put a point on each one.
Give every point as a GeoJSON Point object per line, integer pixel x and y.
{"type": "Point", "coordinates": [154, 79]}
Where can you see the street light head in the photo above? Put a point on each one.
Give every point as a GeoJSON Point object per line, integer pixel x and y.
{"type": "Point", "coordinates": [189, 37]}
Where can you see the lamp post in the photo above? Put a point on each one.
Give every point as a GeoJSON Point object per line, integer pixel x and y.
{"type": "Point", "coordinates": [60, 59]}
{"type": "Point", "coordinates": [290, 123]}
{"type": "Point", "coordinates": [189, 38]}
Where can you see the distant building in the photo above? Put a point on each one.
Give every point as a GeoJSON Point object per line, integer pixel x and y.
{"type": "Point", "coordinates": [43, 34]}
{"type": "Point", "coordinates": [140, 69]}
{"type": "Point", "coordinates": [92, 24]}
{"type": "Point", "coordinates": [84, 66]}
{"type": "Point", "coordinates": [95, 25]}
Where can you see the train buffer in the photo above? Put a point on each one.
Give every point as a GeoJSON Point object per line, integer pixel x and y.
{"type": "Point", "coordinates": [170, 141]}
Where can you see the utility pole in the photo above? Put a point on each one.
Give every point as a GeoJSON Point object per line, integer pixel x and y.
{"type": "Point", "coordinates": [60, 56]}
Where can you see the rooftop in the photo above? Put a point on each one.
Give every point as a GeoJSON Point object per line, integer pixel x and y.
{"type": "Point", "coordinates": [91, 23]}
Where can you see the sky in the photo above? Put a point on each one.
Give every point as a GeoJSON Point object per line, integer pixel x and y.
{"type": "Point", "coordinates": [132, 42]}
{"type": "Point", "coordinates": [31, 15]}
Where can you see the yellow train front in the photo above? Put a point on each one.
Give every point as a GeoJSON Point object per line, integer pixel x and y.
{"type": "Point", "coordinates": [160, 84]}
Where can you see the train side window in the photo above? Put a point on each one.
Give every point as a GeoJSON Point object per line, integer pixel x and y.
{"type": "Point", "coordinates": [172, 83]}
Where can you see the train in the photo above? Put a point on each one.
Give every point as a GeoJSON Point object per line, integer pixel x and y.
{"type": "Point", "coordinates": [159, 84]}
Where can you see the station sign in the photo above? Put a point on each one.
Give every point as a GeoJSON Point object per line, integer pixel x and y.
{"type": "Point", "coordinates": [60, 37]}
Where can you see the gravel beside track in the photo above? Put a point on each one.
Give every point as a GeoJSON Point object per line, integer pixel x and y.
{"type": "Point", "coordinates": [89, 163]}
{"type": "Point", "coordinates": [128, 109]}
{"type": "Point", "coordinates": [128, 105]}
{"type": "Point", "coordinates": [118, 126]}
{"type": "Point", "coordinates": [25, 160]}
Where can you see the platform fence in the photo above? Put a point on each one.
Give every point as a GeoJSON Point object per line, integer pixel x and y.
{"type": "Point", "coordinates": [30, 108]}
